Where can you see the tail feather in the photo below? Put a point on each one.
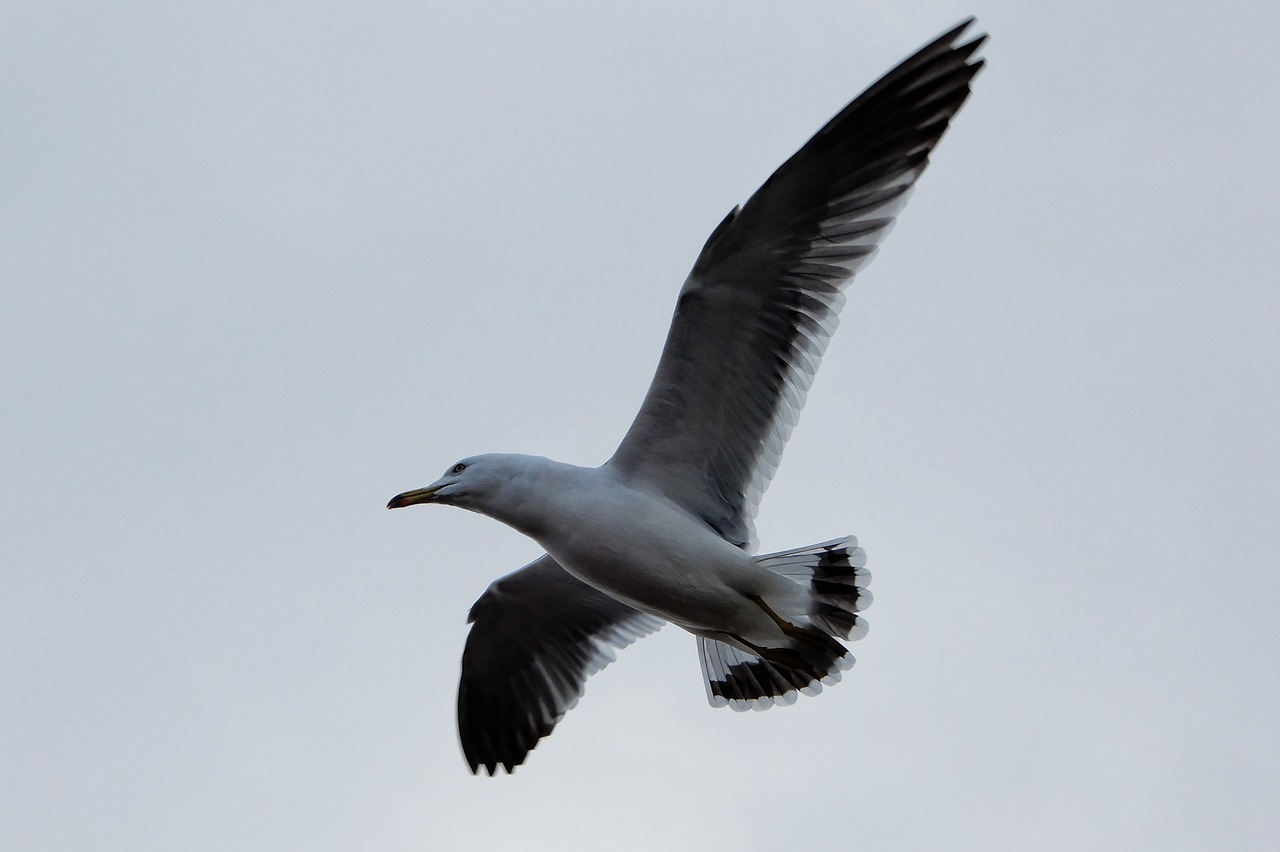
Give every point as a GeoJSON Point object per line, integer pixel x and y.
{"type": "Point", "coordinates": [757, 678]}
{"type": "Point", "coordinates": [836, 574]}
{"type": "Point", "coordinates": [743, 680]}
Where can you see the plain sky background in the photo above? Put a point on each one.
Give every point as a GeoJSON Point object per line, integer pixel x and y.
{"type": "Point", "coordinates": [267, 264]}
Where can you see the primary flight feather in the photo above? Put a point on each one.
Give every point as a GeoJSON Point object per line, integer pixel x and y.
{"type": "Point", "coordinates": [663, 531]}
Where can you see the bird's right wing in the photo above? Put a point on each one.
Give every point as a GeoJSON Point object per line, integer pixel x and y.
{"type": "Point", "coordinates": [537, 635]}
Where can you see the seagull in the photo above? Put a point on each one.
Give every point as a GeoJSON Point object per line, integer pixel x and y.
{"type": "Point", "coordinates": [664, 530]}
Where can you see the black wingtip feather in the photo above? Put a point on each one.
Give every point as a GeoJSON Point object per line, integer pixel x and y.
{"type": "Point", "coordinates": [536, 636]}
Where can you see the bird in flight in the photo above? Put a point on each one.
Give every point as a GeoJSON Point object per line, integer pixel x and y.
{"type": "Point", "coordinates": [663, 531]}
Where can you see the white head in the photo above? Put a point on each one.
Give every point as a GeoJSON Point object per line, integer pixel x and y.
{"type": "Point", "coordinates": [504, 486]}
{"type": "Point", "coordinates": [462, 483]}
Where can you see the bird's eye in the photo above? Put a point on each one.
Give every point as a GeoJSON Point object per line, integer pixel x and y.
{"type": "Point", "coordinates": [458, 468]}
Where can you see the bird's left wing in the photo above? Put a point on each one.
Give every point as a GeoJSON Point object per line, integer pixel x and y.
{"type": "Point", "coordinates": [537, 635]}
{"type": "Point", "coordinates": [755, 314]}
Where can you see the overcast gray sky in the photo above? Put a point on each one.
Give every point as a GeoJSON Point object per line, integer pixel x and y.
{"type": "Point", "coordinates": [267, 264]}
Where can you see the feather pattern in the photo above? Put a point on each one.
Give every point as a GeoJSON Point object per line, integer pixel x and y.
{"type": "Point", "coordinates": [754, 316]}
{"type": "Point", "coordinates": [536, 636]}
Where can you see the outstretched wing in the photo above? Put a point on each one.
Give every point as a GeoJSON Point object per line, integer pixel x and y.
{"type": "Point", "coordinates": [754, 317]}
{"type": "Point", "coordinates": [537, 635]}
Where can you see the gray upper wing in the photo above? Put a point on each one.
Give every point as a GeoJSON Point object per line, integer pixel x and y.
{"type": "Point", "coordinates": [754, 317]}
{"type": "Point", "coordinates": [537, 635]}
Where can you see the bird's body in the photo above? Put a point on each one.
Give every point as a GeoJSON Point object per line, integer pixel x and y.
{"type": "Point", "coordinates": [664, 530]}
{"type": "Point", "coordinates": [661, 559]}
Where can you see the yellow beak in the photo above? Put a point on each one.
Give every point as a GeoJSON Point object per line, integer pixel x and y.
{"type": "Point", "coordinates": [409, 498]}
